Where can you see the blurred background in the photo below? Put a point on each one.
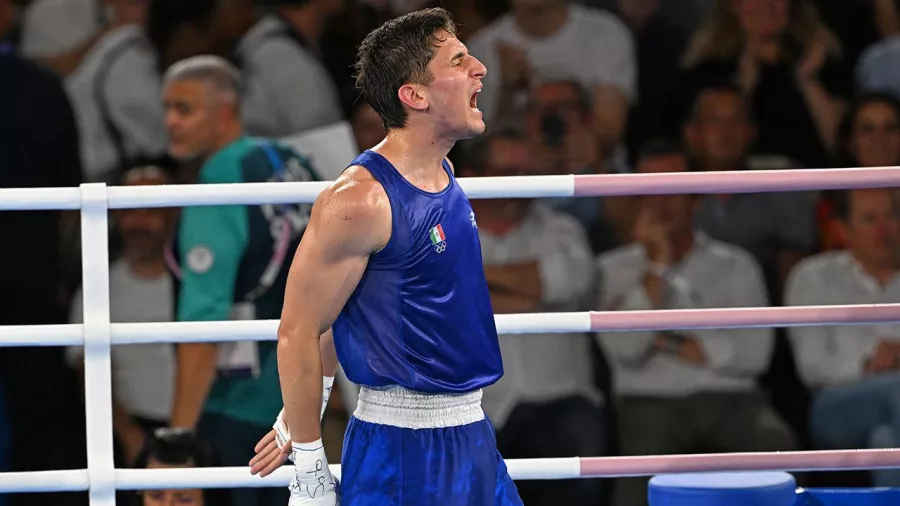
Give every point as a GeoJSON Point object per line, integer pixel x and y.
{"type": "Point", "coordinates": [583, 87]}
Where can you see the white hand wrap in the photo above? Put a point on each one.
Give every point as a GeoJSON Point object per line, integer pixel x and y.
{"type": "Point", "coordinates": [282, 434]}
{"type": "Point", "coordinates": [312, 483]}
{"type": "Point", "coordinates": [327, 383]}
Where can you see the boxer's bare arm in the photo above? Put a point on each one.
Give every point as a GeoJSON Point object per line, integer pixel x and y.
{"type": "Point", "coordinates": [349, 221]}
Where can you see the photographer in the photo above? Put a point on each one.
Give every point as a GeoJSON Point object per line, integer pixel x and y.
{"type": "Point", "coordinates": [562, 132]}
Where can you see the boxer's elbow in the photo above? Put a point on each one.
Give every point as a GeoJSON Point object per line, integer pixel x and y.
{"type": "Point", "coordinates": [296, 338]}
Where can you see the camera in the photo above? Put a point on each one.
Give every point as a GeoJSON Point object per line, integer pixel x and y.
{"type": "Point", "coordinates": [553, 129]}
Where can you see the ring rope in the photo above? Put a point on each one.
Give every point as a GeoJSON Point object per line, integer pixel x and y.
{"type": "Point", "coordinates": [519, 469]}
{"type": "Point", "coordinates": [581, 185]}
{"type": "Point", "coordinates": [508, 187]}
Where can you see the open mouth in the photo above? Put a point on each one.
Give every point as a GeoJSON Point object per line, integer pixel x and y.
{"type": "Point", "coordinates": [473, 101]}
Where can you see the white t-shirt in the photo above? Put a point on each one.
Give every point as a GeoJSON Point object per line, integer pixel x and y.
{"type": "Point", "coordinates": [286, 88]}
{"type": "Point", "coordinates": [119, 76]}
{"type": "Point", "coordinates": [143, 375]}
{"type": "Point", "coordinates": [593, 47]}
{"type": "Point", "coordinates": [53, 27]}
{"type": "Point", "coordinates": [828, 355]}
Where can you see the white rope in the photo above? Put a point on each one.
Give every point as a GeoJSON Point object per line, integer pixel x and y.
{"type": "Point", "coordinates": [236, 477]}
{"type": "Point", "coordinates": [122, 197]}
{"type": "Point", "coordinates": [528, 323]}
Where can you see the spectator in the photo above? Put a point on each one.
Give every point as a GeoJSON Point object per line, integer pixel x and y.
{"type": "Point", "coordinates": [777, 228]}
{"type": "Point", "coordinates": [233, 265]}
{"type": "Point", "coordinates": [659, 43]}
{"type": "Point", "coordinates": [39, 150]}
{"type": "Point", "coordinates": [53, 28]}
{"type": "Point", "coordinates": [560, 129]}
{"type": "Point", "coordinates": [705, 379]}
{"type": "Point", "coordinates": [869, 137]}
{"type": "Point", "coordinates": [537, 259]}
{"type": "Point", "coordinates": [178, 449]}
{"type": "Point", "coordinates": [542, 38]}
{"type": "Point", "coordinates": [177, 29]}
{"type": "Point", "coordinates": [140, 290]}
{"type": "Point", "coordinates": [287, 89]}
{"type": "Point", "coordinates": [115, 92]}
{"type": "Point", "coordinates": [684, 16]}
{"type": "Point", "coordinates": [878, 44]}
{"type": "Point", "coordinates": [870, 132]}
{"type": "Point", "coordinates": [853, 370]}
{"type": "Point", "coordinates": [786, 61]}
{"type": "Point", "coordinates": [281, 62]}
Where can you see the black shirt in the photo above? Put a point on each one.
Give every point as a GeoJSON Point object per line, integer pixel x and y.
{"type": "Point", "coordinates": [38, 148]}
{"type": "Point", "coordinates": [785, 125]}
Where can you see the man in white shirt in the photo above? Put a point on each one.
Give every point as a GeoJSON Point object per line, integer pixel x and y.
{"type": "Point", "coordinates": [287, 88]}
{"type": "Point", "coordinates": [115, 92]}
{"type": "Point", "coordinates": [140, 290]}
{"type": "Point", "coordinates": [853, 370]}
{"type": "Point", "coordinates": [686, 391]}
{"type": "Point", "coordinates": [53, 27]}
{"type": "Point", "coordinates": [541, 38]}
{"type": "Point", "coordinates": [537, 259]}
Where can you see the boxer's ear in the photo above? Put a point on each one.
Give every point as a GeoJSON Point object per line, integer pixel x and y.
{"type": "Point", "coordinates": [413, 96]}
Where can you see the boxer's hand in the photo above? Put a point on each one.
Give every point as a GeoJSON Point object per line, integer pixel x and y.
{"type": "Point", "coordinates": [275, 447]}
{"type": "Point", "coordinates": [312, 483]}
{"type": "Point", "coordinates": [269, 455]}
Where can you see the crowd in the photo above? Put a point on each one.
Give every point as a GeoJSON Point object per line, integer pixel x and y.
{"type": "Point", "coordinates": [111, 91]}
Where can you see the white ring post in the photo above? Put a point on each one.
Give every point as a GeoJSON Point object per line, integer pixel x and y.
{"type": "Point", "coordinates": [97, 368]}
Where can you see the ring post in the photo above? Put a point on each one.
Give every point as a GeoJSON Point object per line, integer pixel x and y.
{"type": "Point", "coordinates": [97, 368]}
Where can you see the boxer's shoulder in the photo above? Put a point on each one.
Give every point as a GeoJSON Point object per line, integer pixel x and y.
{"type": "Point", "coordinates": [356, 203]}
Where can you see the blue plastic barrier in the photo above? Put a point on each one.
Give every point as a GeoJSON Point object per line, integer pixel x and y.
{"type": "Point", "coordinates": [849, 497]}
{"type": "Point", "coordinates": [723, 489]}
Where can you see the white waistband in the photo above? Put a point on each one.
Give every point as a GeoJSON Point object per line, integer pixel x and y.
{"type": "Point", "coordinates": [399, 407]}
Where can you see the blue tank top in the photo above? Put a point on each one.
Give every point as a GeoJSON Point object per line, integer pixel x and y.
{"type": "Point", "coordinates": [421, 316]}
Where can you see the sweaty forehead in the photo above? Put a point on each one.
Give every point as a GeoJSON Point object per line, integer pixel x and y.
{"type": "Point", "coordinates": [448, 46]}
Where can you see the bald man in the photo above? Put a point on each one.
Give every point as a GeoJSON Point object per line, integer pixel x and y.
{"type": "Point", "coordinates": [232, 264]}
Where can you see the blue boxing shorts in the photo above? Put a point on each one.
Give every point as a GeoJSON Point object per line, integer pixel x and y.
{"type": "Point", "coordinates": [403, 448]}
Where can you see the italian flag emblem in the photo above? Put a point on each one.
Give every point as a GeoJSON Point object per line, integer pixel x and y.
{"type": "Point", "coordinates": [438, 239]}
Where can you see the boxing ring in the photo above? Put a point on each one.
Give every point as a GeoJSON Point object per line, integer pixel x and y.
{"type": "Point", "coordinates": [97, 334]}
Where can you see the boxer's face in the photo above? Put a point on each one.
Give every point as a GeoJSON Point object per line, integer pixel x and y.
{"type": "Point", "coordinates": [875, 140]}
{"type": "Point", "coordinates": [872, 228]}
{"type": "Point", "coordinates": [451, 97]}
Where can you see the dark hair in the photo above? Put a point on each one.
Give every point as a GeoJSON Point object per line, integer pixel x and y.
{"type": "Point", "coordinates": [723, 88]}
{"type": "Point", "coordinates": [397, 53]}
{"type": "Point", "coordinates": [841, 202]}
{"type": "Point", "coordinates": [164, 17]}
{"type": "Point", "coordinates": [167, 165]}
{"type": "Point", "coordinates": [655, 148]}
{"type": "Point", "coordinates": [845, 130]}
{"type": "Point", "coordinates": [179, 447]}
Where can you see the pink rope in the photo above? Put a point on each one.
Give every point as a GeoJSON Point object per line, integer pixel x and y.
{"type": "Point", "coordinates": [751, 181]}
{"type": "Point", "coordinates": [744, 317]}
{"type": "Point", "coordinates": [595, 467]}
